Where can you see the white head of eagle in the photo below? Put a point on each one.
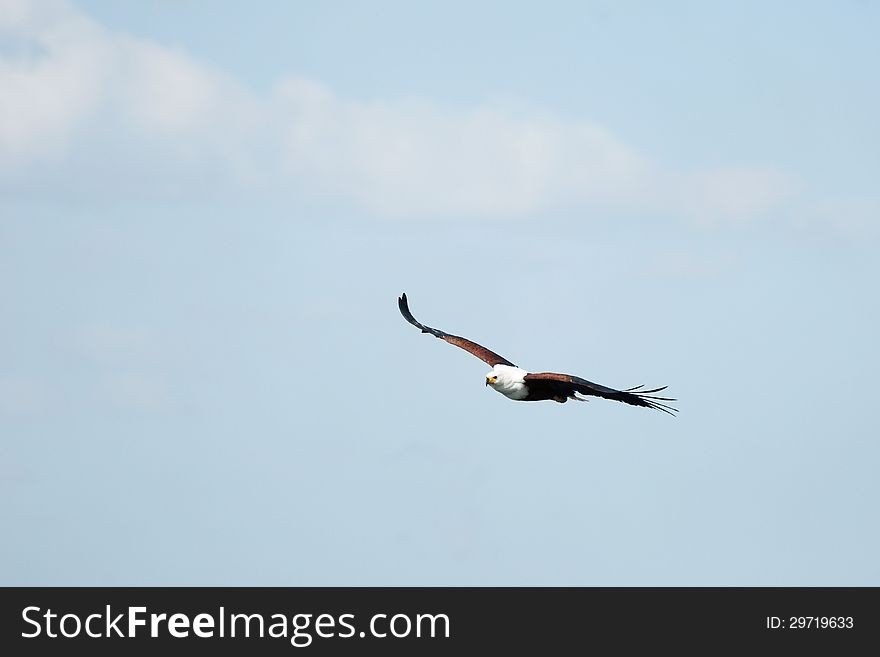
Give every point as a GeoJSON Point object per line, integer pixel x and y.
{"type": "Point", "coordinates": [509, 381]}
{"type": "Point", "coordinates": [516, 383]}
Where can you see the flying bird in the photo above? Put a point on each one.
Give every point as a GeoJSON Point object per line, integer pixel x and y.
{"type": "Point", "coordinates": [516, 383]}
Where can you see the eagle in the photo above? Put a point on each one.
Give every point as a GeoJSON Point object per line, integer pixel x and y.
{"type": "Point", "coordinates": [516, 383]}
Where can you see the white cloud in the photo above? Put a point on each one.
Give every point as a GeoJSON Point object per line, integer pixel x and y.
{"type": "Point", "coordinates": [83, 107]}
{"type": "Point", "coordinates": [735, 193]}
{"type": "Point", "coordinates": [409, 157]}
{"type": "Point", "coordinates": [50, 79]}
{"type": "Point", "coordinates": [90, 110]}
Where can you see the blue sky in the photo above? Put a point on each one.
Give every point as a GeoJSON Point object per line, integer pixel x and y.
{"type": "Point", "coordinates": [207, 213]}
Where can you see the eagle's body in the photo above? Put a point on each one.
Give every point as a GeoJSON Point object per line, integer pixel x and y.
{"type": "Point", "coordinates": [520, 385]}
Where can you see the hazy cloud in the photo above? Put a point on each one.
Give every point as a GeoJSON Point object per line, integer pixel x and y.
{"type": "Point", "coordinates": [91, 106]}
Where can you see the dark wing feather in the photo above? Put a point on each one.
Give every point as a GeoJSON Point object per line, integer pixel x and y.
{"type": "Point", "coordinates": [472, 347]}
{"type": "Point", "coordinates": [546, 384]}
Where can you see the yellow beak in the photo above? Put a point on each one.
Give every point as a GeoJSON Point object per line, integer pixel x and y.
{"type": "Point", "coordinates": [491, 379]}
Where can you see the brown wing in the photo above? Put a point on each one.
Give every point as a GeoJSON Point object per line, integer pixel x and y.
{"type": "Point", "coordinates": [472, 347]}
{"type": "Point", "coordinates": [544, 385]}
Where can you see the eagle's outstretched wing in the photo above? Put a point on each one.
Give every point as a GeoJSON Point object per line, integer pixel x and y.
{"type": "Point", "coordinates": [472, 347]}
{"type": "Point", "coordinates": [550, 383]}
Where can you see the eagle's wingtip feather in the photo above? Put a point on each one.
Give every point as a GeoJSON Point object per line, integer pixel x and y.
{"type": "Point", "coordinates": [403, 306]}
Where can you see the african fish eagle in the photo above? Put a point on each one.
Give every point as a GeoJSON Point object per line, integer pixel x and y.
{"type": "Point", "coordinates": [516, 383]}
